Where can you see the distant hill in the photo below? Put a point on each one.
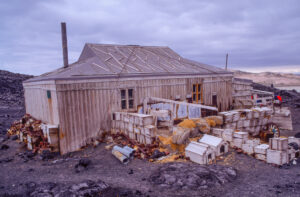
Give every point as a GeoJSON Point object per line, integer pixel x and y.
{"type": "Point", "coordinates": [268, 78]}
{"type": "Point", "coordinates": [11, 88]}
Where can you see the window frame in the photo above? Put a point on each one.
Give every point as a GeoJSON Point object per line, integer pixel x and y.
{"type": "Point", "coordinates": [127, 99]}
{"type": "Point", "coordinates": [197, 92]}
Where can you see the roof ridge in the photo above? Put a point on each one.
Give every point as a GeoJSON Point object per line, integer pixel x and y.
{"type": "Point", "coordinates": [126, 45]}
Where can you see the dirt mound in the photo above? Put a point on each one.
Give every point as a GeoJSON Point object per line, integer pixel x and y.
{"type": "Point", "coordinates": [191, 176]}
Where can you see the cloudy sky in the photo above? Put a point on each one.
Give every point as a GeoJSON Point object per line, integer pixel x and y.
{"type": "Point", "coordinates": [258, 35]}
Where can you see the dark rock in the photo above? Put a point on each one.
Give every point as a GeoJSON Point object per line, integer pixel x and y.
{"type": "Point", "coordinates": [157, 154]}
{"type": "Point", "coordinates": [6, 160]}
{"type": "Point", "coordinates": [47, 155]}
{"type": "Point", "coordinates": [294, 145]}
{"type": "Point", "coordinates": [82, 165]}
{"type": "Point", "coordinates": [14, 137]}
{"type": "Point", "coordinates": [85, 162]}
{"type": "Point", "coordinates": [27, 155]}
{"type": "Point", "coordinates": [130, 171]}
{"type": "Point", "coordinates": [4, 147]}
{"type": "Point", "coordinates": [297, 135]}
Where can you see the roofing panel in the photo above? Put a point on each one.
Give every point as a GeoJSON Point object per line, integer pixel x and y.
{"type": "Point", "coordinates": [104, 60]}
{"type": "Point", "coordinates": [211, 140]}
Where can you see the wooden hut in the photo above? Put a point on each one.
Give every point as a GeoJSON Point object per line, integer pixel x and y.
{"type": "Point", "coordinates": [81, 97]}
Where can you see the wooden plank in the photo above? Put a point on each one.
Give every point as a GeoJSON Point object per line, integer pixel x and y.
{"type": "Point", "coordinates": [182, 103]}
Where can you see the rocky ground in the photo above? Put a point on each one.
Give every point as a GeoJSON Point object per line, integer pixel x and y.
{"type": "Point", "coordinates": [95, 172]}
{"type": "Point", "coordinates": [11, 98]}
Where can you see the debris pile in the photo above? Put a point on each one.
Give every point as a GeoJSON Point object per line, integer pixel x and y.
{"type": "Point", "coordinates": [279, 151]}
{"type": "Point", "coordinates": [191, 176]}
{"type": "Point", "coordinates": [142, 151]}
{"type": "Point", "coordinates": [29, 131]}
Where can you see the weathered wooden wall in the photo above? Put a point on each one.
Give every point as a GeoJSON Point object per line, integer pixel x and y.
{"type": "Point", "coordinates": [85, 106]}
{"type": "Point", "coordinates": [241, 92]}
{"type": "Point", "coordinates": [38, 105]}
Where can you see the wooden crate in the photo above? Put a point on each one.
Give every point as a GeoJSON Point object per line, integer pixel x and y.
{"type": "Point", "coordinates": [278, 143]}
{"type": "Point", "coordinates": [277, 157]}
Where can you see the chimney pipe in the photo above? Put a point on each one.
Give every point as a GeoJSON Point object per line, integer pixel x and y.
{"type": "Point", "coordinates": [64, 44]}
{"type": "Point", "coordinates": [226, 61]}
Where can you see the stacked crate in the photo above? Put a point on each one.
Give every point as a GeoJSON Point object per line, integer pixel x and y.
{"type": "Point", "coordinates": [136, 126]}
{"type": "Point", "coordinates": [278, 151]}
{"type": "Point", "coordinates": [261, 151]}
{"type": "Point", "coordinates": [250, 120]}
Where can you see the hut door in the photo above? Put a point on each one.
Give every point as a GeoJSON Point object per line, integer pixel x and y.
{"type": "Point", "coordinates": [214, 100]}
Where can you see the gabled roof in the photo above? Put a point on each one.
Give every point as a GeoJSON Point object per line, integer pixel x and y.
{"type": "Point", "coordinates": [103, 61]}
{"type": "Point", "coordinates": [211, 140]}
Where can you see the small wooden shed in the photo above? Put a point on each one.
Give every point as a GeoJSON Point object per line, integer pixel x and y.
{"type": "Point", "coordinates": [81, 97]}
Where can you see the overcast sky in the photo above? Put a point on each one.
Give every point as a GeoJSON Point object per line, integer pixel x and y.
{"type": "Point", "coordinates": [258, 35]}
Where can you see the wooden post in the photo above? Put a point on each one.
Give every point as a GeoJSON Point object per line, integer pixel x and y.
{"type": "Point", "coordinates": [64, 44]}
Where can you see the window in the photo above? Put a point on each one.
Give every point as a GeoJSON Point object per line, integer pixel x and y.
{"type": "Point", "coordinates": [197, 93]}
{"type": "Point", "coordinates": [127, 99]}
{"type": "Point", "coordinates": [123, 99]}
{"type": "Point", "coordinates": [130, 98]}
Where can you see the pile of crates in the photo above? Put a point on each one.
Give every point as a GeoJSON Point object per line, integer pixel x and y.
{"type": "Point", "coordinates": [249, 120]}
{"type": "Point", "coordinates": [139, 127]}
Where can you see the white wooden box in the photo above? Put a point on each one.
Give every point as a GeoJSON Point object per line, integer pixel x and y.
{"type": "Point", "coordinates": [277, 157]}
{"type": "Point", "coordinates": [261, 149]}
{"type": "Point", "coordinates": [240, 124]}
{"type": "Point", "coordinates": [253, 142]}
{"type": "Point", "coordinates": [278, 143]}
{"type": "Point", "coordinates": [150, 131]}
{"type": "Point", "coordinates": [148, 140]}
{"type": "Point", "coordinates": [237, 142]}
{"type": "Point", "coordinates": [235, 116]}
{"type": "Point", "coordinates": [241, 135]}
{"type": "Point", "coordinates": [248, 148]}
{"type": "Point", "coordinates": [261, 157]}
{"type": "Point", "coordinates": [137, 130]}
{"type": "Point", "coordinates": [142, 139]}
{"type": "Point", "coordinates": [246, 123]}
{"type": "Point", "coordinates": [217, 132]}
{"type": "Point", "coordinates": [227, 135]}
{"type": "Point", "coordinates": [130, 127]}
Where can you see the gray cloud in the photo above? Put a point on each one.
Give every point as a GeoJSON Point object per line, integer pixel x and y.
{"type": "Point", "coordinates": [255, 33]}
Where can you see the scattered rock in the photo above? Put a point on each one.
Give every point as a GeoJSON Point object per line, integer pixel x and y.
{"type": "Point", "coordinates": [294, 145]}
{"type": "Point", "coordinates": [191, 176]}
{"type": "Point", "coordinates": [297, 135]}
{"type": "Point", "coordinates": [6, 160]}
{"type": "Point", "coordinates": [130, 171]}
{"type": "Point", "coordinates": [157, 154]}
{"type": "Point", "coordinates": [27, 155]}
{"type": "Point", "coordinates": [14, 137]}
{"type": "Point", "coordinates": [82, 165]}
{"type": "Point", "coordinates": [85, 188]}
{"type": "Point", "coordinates": [47, 155]}
{"type": "Point", "coordinates": [4, 147]}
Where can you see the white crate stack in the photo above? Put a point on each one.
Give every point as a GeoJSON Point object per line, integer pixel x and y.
{"type": "Point", "coordinates": [279, 152]}
{"type": "Point", "coordinates": [250, 120]}
{"type": "Point", "coordinates": [136, 126]}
